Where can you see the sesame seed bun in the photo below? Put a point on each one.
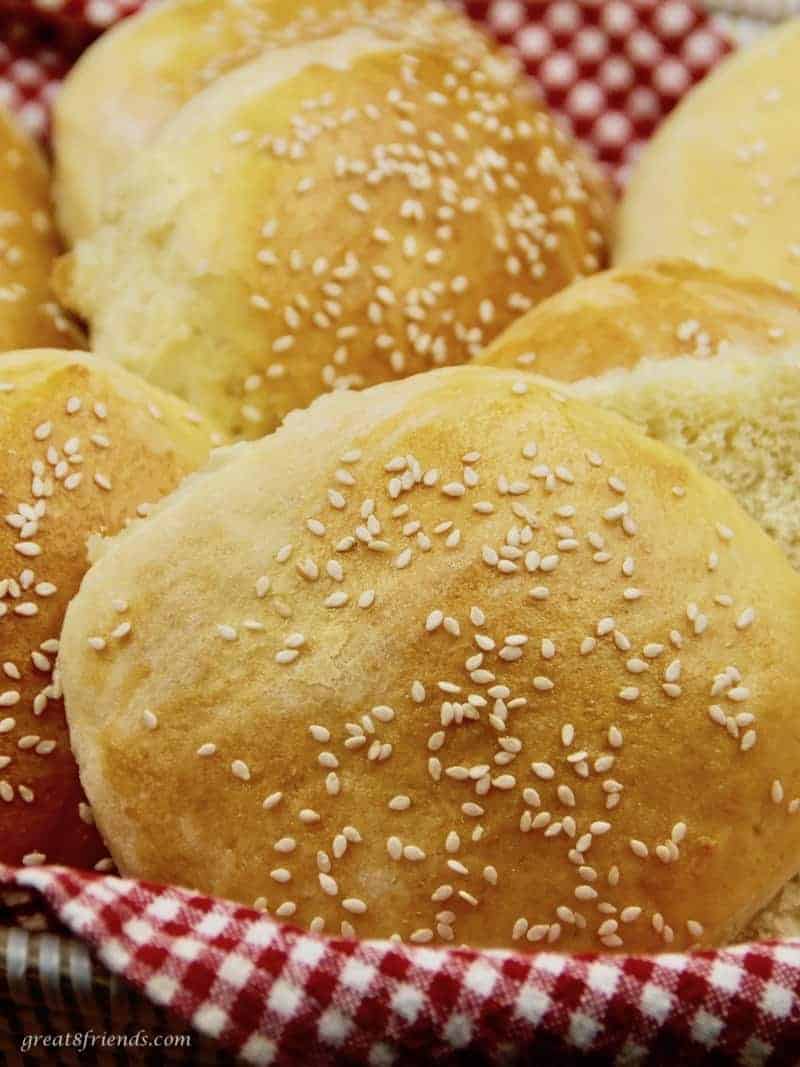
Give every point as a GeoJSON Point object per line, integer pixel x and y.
{"type": "Point", "coordinates": [703, 360]}
{"type": "Point", "coordinates": [720, 180]}
{"type": "Point", "coordinates": [454, 658]}
{"type": "Point", "coordinates": [139, 74]}
{"type": "Point", "coordinates": [29, 315]}
{"type": "Point", "coordinates": [83, 447]}
{"type": "Point", "coordinates": [336, 214]}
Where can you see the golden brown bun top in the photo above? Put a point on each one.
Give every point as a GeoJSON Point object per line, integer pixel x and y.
{"type": "Point", "coordinates": [84, 446]}
{"type": "Point", "coordinates": [29, 315]}
{"type": "Point", "coordinates": [336, 214]}
{"type": "Point", "coordinates": [657, 310]}
{"type": "Point", "coordinates": [139, 74]}
{"type": "Point", "coordinates": [457, 650]}
{"type": "Point", "coordinates": [720, 181]}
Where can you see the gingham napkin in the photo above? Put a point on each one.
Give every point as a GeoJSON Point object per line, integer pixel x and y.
{"type": "Point", "coordinates": [275, 994]}
{"type": "Point", "coordinates": [611, 68]}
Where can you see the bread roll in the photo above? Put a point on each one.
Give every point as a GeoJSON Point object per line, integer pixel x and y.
{"type": "Point", "coordinates": [720, 181]}
{"type": "Point", "coordinates": [333, 215]}
{"type": "Point", "coordinates": [29, 314]}
{"type": "Point", "coordinates": [83, 446]}
{"type": "Point", "coordinates": [139, 74]}
{"type": "Point", "coordinates": [705, 361]}
{"type": "Point", "coordinates": [455, 659]}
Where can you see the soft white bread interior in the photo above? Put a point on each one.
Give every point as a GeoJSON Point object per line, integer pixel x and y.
{"type": "Point", "coordinates": [336, 214]}
{"type": "Point", "coordinates": [720, 180]}
{"type": "Point", "coordinates": [456, 658]}
{"type": "Point", "coordinates": [703, 360]}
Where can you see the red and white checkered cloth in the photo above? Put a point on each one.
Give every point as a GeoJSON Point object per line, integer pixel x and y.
{"type": "Point", "coordinates": [274, 994]}
{"type": "Point", "coordinates": [612, 68]}
{"type": "Point", "coordinates": [277, 995]}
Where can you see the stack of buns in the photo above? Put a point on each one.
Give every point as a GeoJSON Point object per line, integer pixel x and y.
{"type": "Point", "coordinates": [492, 654]}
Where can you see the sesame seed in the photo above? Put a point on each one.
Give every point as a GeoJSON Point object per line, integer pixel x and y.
{"type": "Point", "coordinates": [336, 600]}
{"type": "Point", "coordinates": [413, 853]}
{"type": "Point", "coordinates": [543, 771]}
{"type": "Point", "coordinates": [239, 769]}
{"type": "Point", "coordinates": [678, 832]}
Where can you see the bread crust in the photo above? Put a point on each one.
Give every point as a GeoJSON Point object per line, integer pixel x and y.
{"type": "Point", "coordinates": [29, 314]}
{"type": "Point", "coordinates": [659, 310]}
{"type": "Point", "coordinates": [139, 73]}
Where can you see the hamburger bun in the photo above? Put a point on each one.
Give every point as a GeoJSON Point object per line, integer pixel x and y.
{"type": "Point", "coordinates": [29, 315]}
{"type": "Point", "coordinates": [703, 360]}
{"type": "Point", "coordinates": [83, 447]}
{"type": "Point", "coordinates": [720, 180]}
{"type": "Point", "coordinates": [333, 215]}
{"type": "Point", "coordinates": [453, 659]}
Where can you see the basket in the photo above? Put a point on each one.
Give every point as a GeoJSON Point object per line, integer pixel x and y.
{"type": "Point", "coordinates": [50, 987]}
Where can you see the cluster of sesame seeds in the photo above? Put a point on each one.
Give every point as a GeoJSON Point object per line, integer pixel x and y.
{"type": "Point", "coordinates": [696, 340]}
{"type": "Point", "coordinates": [529, 768]}
{"type": "Point", "coordinates": [446, 146]}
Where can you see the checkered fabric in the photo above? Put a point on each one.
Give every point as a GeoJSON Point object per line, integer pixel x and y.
{"type": "Point", "coordinates": [276, 995]}
{"type": "Point", "coordinates": [611, 68]}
